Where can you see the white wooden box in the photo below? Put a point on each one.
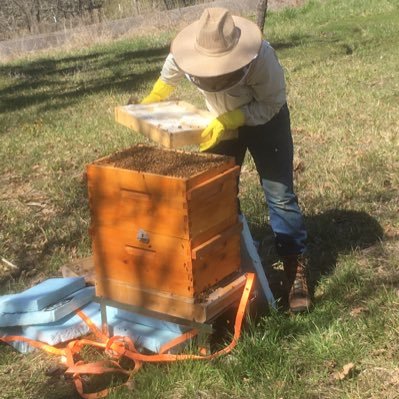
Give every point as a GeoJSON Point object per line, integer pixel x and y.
{"type": "Point", "coordinates": [172, 124]}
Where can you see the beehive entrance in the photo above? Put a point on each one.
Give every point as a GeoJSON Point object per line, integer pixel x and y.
{"type": "Point", "coordinates": [164, 162]}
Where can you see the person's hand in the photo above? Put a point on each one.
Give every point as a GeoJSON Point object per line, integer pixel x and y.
{"type": "Point", "coordinates": [213, 133]}
{"type": "Point", "coordinates": [160, 92]}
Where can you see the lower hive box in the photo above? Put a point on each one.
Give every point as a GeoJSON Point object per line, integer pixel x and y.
{"type": "Point", "coordinates": [163, 221]}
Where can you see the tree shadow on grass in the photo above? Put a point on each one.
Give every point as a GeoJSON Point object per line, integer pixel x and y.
{"type": "Point", "coordinates": [57, 82]}
{"type": "Point", "coordinates": [62, 386]}
{"type": "Point", "coordinates": [330, 234]}
{"type": "Point", "coordinates": [50, 235]}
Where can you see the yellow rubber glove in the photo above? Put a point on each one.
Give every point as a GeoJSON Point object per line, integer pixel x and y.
{"type": "Point", "coordinates": [214, 131]}
{"type": "Point", "coordinates": [161, 91]}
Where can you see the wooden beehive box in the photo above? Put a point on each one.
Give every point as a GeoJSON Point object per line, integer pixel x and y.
{"type": "Point", "coordinates": [172, 124]}
{"type": "Point", "coordinates": [163, 220]}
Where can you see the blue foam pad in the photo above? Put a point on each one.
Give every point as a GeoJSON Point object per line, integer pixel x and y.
{"type": "Point", "coordinates": [72, 327]}
{"type": "Point", "coordinates": [151, 321]}
{"type": "Point", "coordinates": [143, 336]}
{"type": "Point", "coordinates": [20, 346]}
{"type": "Point", "coordinates": [50, 313]}
{"type": "Point", "coordinates": [41, 295]}
{"type": "Point", "coordinates": [65, 329]}
{"type": "Point", "coordinates": [69, 327]}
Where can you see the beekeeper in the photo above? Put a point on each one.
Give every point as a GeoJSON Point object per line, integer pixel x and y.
{"type": "Point", "coordinates": [243, 84]}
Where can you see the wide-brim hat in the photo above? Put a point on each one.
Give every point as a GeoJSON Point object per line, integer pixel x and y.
{"type": "Point", "coordinates": [217, 44]}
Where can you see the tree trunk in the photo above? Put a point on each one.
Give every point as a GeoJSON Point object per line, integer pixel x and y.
{"type": "Point", "coordinates": [27, 8]}
{"type": "Point", "coordinates": [136, 7]}
{"type": "Point", "coordinates": [38, 11]}
{"type": "Point", "coordinates": [261, 11]}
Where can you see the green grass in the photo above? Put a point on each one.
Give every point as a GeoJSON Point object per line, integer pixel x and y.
{"type": "Point", "coordinates": [340, 59]}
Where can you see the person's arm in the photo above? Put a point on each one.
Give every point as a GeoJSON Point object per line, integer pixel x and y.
{"type": "Point", "coordinates": [268, 85]}
{"type": "Point", "coordinates": [171, 73]}
{"type": "Point", "coordinates": [166, 83]}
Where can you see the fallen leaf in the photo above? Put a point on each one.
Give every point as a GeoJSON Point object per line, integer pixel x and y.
{"type": "Point", "coordinates": [346, 372]}
{"type": "Point", "coordinates": [36, 204]}
{"type": "Point", "coordinates": [357, 311]}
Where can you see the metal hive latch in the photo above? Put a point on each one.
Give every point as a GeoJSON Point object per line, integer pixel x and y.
{"type": "Point", "coordinates": [143, 236]}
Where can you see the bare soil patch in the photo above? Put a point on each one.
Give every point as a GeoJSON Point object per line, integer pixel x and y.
{"type": "Point", "coordinates": [164, 162]}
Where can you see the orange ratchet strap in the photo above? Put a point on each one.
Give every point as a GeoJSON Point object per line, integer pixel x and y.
{"type": "Point", "coordinates": [117, 347]}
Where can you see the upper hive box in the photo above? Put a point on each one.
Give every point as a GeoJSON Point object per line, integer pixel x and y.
{"type": "Point", "coordinates": [163, 220]}
{"type": "Point", "coordinates": [172, 124]}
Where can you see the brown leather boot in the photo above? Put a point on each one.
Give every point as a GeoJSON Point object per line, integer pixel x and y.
{"type": "Point", "coordinates": [298, 292]}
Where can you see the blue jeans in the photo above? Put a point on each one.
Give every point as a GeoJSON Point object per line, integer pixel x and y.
{"type": "Point", "coordinates": [272, 151]}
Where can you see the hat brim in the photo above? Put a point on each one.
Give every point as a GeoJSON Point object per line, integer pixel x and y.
{"type": "Point", "coordinates": [195, 63]}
